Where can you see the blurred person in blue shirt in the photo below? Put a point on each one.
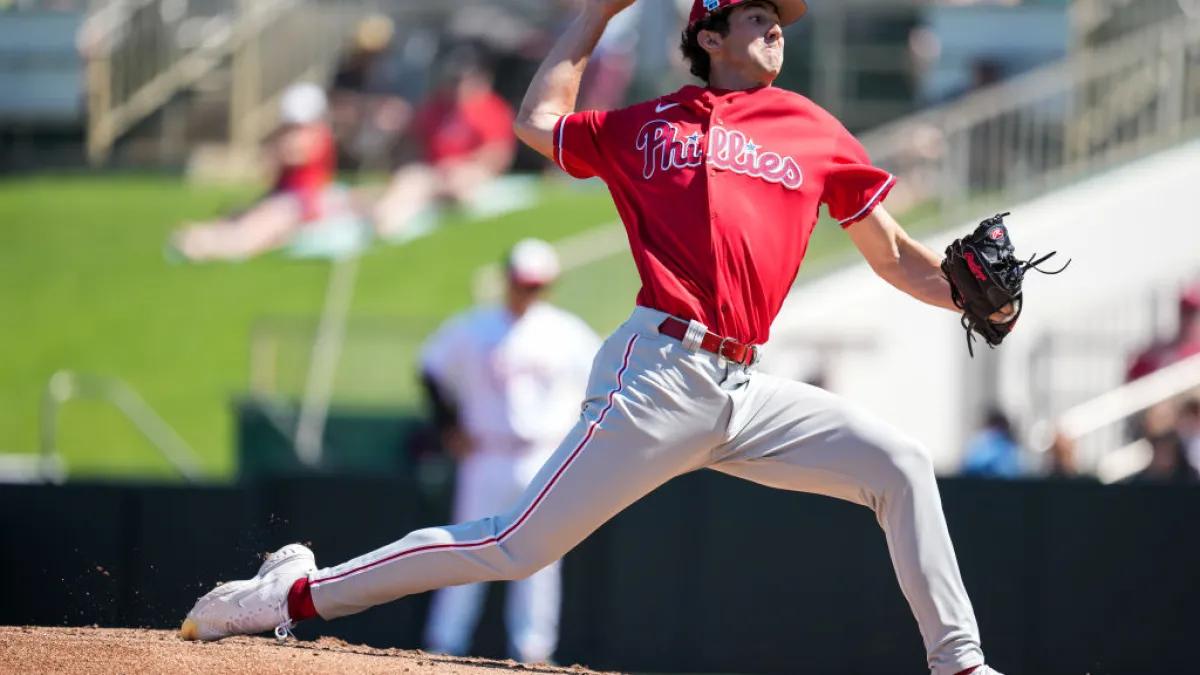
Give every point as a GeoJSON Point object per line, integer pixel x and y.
{"type": "Point", "coordinates": [993, 452]}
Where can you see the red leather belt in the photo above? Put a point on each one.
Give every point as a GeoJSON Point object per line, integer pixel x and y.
{"type": "Point", "coordinates": [726, 348]}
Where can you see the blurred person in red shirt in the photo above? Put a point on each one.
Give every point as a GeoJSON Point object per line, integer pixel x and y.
{"type": "Point", "coordinates": [1185, 343]}
{"type": "Point", "coordinates": [1061, 459]}
{"type": "Point", "coordinates": [465, 132]}
{"type": "Point", "coordinates": [303, 192]}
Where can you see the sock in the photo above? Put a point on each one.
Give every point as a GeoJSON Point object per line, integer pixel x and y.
{"type": "Point", "coordinates": [299, 601]}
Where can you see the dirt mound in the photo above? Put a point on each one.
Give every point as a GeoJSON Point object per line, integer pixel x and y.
{"type": "Point", "coordinates": [108, 650]}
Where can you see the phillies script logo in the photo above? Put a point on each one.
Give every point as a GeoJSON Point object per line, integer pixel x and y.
{"type": "Point", "coordinates": [976, 269]}
{"type": "Point", "coordinates": [664, 149]}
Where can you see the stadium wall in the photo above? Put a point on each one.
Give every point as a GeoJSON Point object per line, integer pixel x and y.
{"type": "Point", "coordinates": [1065, 577]}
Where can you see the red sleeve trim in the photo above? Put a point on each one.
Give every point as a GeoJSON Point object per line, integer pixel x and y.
{"type": "Point", "coordinates": [875, 200]}
{"type": "Point", "coordinates": [559, 127]}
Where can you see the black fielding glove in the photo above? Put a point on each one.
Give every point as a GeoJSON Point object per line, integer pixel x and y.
{"type": "Point", "coordinates": [985, 276]}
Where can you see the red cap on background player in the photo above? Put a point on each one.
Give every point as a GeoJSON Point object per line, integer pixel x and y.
{"type": "Point", "coordinates": [790, 11]}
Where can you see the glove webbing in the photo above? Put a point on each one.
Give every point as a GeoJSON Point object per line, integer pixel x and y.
{"type": "Point", "coordinates": [1013, 276]}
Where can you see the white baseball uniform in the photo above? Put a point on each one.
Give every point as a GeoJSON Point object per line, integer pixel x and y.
{"type": "Point", "coordinates": [517, 385]}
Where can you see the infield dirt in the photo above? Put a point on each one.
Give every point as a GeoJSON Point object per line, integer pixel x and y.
{"type": "Point", "coordinates": [75, 651]}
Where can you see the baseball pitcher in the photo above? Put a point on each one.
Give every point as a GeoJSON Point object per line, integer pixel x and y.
{"type": "Point", "coordinates": [719, 188]}
{"type": "Point", "coordinates": [506, 382]}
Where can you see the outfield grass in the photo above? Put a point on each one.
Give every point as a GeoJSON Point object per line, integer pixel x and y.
{"type": "Point", "coordinates": [84, 286]}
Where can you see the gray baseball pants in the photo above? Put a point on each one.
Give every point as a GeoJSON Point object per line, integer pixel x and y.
{"type": "Point", "coordinates": [654, 411]}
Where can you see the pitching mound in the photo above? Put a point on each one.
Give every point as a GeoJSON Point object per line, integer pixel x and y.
{"type": "Point", "coordinates": [106, 650]}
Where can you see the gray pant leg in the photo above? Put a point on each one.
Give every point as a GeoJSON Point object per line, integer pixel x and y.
{"type": "Point", "coordinates": [637, 431]}
{"type": "Point", "coordinates": [797, 437]}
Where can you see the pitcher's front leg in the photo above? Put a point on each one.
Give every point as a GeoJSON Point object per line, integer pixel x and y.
{"type": "Point", "coordinates": [805, 439]}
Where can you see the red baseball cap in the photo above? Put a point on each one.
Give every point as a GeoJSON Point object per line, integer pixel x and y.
{"type": "Point", "coordinates": [790, 11]}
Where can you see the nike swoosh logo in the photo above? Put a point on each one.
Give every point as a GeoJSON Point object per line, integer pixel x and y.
{"type": "Point", "coordinates": [664, 106]}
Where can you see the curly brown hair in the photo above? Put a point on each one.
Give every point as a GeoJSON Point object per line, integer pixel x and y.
{"type": "Point", "coordinates": [717, 22]}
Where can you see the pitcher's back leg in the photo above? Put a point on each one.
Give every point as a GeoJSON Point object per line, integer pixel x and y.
{"type": "Point", "coordinates": [623, 447]}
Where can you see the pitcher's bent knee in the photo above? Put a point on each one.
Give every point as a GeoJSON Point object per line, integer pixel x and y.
{"type": "Point", "coordinates": [517, 564]}
{"type": "Point", "coordinates": [907, 465]}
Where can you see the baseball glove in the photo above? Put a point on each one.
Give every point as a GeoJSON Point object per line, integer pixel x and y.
{"type": "Point", "coordinates": [985, 276]}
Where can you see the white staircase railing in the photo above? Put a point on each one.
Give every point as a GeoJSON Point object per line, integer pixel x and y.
{"type": "Point", "coordinates": [142, 53]}
{"type": "Point", "coordinates": [1097, 21]}
{"type": "Point", "coordinates": [1093, 110]}
{"type": "Point", "coordinates": [1111, 410]}
{"type": "Point", "coordinates": [137, 60]}
{"type": "Point", "coordinates": [65, 386]}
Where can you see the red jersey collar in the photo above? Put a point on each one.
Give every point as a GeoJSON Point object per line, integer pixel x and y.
{"type": "Point", "coordinates": [702, 99]}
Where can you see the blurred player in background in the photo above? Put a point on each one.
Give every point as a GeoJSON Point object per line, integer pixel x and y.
{"type": "Point", "coordinates": [505, 383]}
{"type": "Point", "coordinates": [303, 153]}
{"type": "Point", "coordinates": [466, 137]}
{"type": "Point", "coordinates": [367, 107]}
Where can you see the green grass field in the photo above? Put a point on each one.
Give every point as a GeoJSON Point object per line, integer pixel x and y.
{"type": "Point", "coordinates": [85, 287]}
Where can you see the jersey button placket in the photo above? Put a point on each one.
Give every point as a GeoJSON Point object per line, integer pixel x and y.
{"type": "Point", "coordinates": [714, 119]}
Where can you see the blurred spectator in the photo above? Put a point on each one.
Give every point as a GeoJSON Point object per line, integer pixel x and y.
{"type": "Point", "coordinates": [1188, 427]}
{"type": "Point", "coordinates": [1185, 342]}
{"type": "Point", "coordinates": [1060, 458]}
{"type": "Point", "coordinates": [302, 151]}
{"type": "Point", "coordinates": [465, 133]}
{"type": "Point", "coordinates": [1168, 461]}
{"type": "Point", "coordinates": [367, 114]}
{"type": "Point", "coordinates": [993, 452]}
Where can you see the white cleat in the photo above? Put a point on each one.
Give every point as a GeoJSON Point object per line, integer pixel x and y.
{"type": "Point", "coordinates": [253, 605]}
{"type": "Point", "coordinates": [986, 670]}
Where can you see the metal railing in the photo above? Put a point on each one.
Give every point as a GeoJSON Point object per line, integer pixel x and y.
{"type": "Point", "coordinates": [139, 54]}
{"type": "Point", "coordinates": [1094, 110]}
{"type": "Point", "coordinates": [1103, 416]}
{"type": "Point", "coordinates": [1088, 356]}
{"type": "Point", "coordinates": [65, 386]}
{"type": "Point", "coordinates": [142, 53]}
{"type": "Point", "coordinates": [1097, 21]}
{"type": "Point", "coordinates": [274, 49]}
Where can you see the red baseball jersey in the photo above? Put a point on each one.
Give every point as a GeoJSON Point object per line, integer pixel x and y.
{"type": "Point", "coordinates": [309, 179]}
{"type": "Point", "coordinates": [719, 192]}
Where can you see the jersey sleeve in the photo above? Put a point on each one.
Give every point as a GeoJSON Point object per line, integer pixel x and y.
{"type": "Point", "coordinates": [579, 143]}
{"type": "Point", "coordinates": [853, 187]}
